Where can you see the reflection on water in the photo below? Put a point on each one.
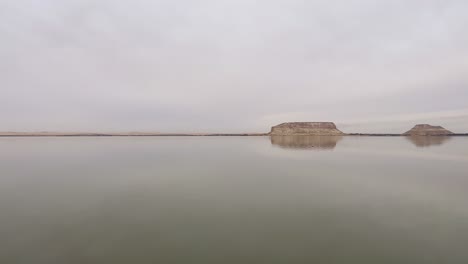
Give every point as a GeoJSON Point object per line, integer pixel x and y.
{"type": "Point", "coordinates": [427, 141]}
{"type": "Point", "coordinates": [232, 200]}
{"type": "Point", "coordinates": [306, 142]}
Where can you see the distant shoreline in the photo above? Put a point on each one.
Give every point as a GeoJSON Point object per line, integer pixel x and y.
{"type": "Point", "coordinates": [57, 134]}
{"type": "Point", "coordinates": [53, 134]}
{"type": "Point", "coordinates": [402, 135]}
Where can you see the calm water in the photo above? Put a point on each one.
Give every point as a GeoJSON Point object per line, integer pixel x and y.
{"type": "Point", "coordinates": [234, 200]}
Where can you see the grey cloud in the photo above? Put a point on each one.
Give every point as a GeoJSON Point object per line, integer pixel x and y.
{"type": "Point", "coordinates": [228, 65]}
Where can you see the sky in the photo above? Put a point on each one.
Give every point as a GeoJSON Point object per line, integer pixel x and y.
{"type": "Point", "coordinates": [232, 66]}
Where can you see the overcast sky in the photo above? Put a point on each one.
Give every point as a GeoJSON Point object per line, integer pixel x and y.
{"type": "Point", "coordinates": [232, 66]}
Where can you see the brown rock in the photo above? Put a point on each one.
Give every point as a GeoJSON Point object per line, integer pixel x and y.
{"type": "Point", "coordinates": [427, 130]}
{"type": "Point", "coordinates": [306, 128]}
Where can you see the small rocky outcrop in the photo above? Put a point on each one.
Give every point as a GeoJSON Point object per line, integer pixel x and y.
{"type": "Point", "coordinates": [428, 130]}
{"type": "Point", "coordinates": [306, 129]}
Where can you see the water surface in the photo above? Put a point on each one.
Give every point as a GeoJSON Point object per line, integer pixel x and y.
{"type": "Point", "coordinates": [233, 200]}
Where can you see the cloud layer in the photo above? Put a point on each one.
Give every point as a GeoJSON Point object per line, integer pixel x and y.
{"type": "Point", "coordinates": [232, 66]}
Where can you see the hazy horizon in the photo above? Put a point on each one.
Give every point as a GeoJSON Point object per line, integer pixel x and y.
{"type": "Point", "coordinates": [232, 66]}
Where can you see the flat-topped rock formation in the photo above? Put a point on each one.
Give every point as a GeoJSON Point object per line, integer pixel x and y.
{"type": "Point", "coordinates": [306, 142]}
{"type": "Point", "coordinates": [306, 129]}
{"type": "Point", "coordinates": [428, 130]}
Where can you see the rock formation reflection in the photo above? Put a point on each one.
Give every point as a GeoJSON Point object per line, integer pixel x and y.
{"type": "Point", "coordinates": [427, 141]}
{"type": "Point", "coordinates": [306, 142]}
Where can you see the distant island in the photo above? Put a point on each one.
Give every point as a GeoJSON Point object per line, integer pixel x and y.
{"type": "Point", "coordinates": [428, 130]}
{"type": "Point", "coordinates": [283, 129]}
{"type": "Point", "coordinates": [306, 128]}
{"type": "Point", "coordinates": [330, 129]}
{"type": "Point", "coordinates": [419, 130]}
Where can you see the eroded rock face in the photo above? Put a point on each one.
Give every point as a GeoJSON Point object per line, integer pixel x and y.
{"type": "Point", "coordinates": [427, 130]}
{"type": "Point", "coordinates": [306, 128]}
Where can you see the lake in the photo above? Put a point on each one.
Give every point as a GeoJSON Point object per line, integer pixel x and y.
{"type": "Point", "coordinates": [234, 200]}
